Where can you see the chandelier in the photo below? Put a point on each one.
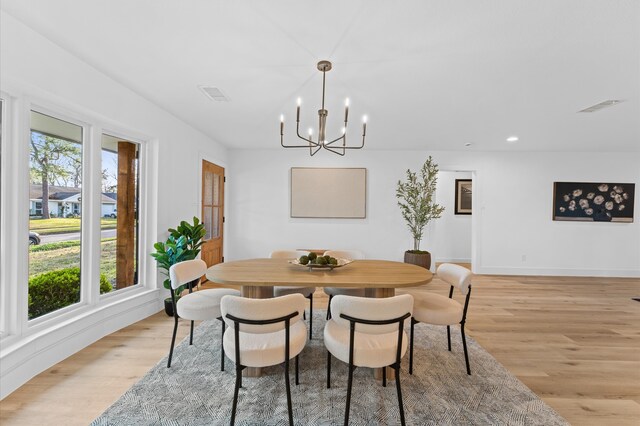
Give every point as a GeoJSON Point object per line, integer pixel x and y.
{"type": "Point", "coordinates": [337, 145]}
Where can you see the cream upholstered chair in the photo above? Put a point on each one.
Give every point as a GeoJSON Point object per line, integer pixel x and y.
{"type": "Point", "coordinates": [334, 291]}
{"type": "Point", "coordinates": [201, 305]}
{"type": "Point", "coordinates": [368, 332]}
{"type": "Point", "coordinates": [435, 309]}
{"type": "Point", "coordinates": [264, 332]}
{"type": "Point", "coordinates": [284, 290]}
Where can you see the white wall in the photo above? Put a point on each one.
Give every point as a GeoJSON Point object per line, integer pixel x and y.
{"type": "Point", "coordinates": [36, 72]}
{"type": "Point", "coordinates": [512, 210]}
{"type": "Point", "coordinates": [452, 232]}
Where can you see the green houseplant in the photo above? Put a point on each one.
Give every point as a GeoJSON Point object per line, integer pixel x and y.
{"type": "Point", "coordinates": [418, 208]}
{"type": "Point", "coordinates": [183, 243]}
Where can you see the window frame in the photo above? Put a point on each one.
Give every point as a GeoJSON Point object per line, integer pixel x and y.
{"type": "Point", "coordinates": [6, 308]}
{"type": "Point", "coordinates": [142, 213]}
{"type": "Point", "coordinates": [16, 207]}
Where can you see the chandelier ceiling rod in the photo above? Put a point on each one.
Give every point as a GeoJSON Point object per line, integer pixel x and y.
{"type": "Point", "coordinates": [333, 145]}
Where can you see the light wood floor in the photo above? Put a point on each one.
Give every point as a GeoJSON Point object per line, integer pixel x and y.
{"type": "Point", "coordinates": [574, 341]}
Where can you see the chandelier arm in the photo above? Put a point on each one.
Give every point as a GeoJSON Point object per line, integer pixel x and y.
{"type": "Point", "coordinates": [297, 146]}
{"type": "Point", "coordinates": [343, 137]}
{"type": "Point", "coordinates": [330, 149]}
{"type": "Point", "coordinates": [357, 147]}
{"type": "Point", "coordinates": [303, 138]}
{"type": "Point", "coordinates": [314, 152]}
{"type": "Point", "coordinates": [311, 143]}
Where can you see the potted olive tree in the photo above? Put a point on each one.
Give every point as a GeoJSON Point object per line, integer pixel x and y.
{"type": "Point", "coordinates": [182, 244]}
{"type": "Point", "coordinates": [418, 208]}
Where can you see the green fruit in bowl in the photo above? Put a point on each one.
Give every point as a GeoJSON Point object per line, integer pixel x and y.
{"type": "Point", "coordinates": [312, 256]}
{"type": "Point", "coordinates": [327, 258]}
{"type": "Point", "coordinates": [321, 261]}
{"type": "Point", "coordinates": [333, 261]}
{"type": "Point", "coordinates": [304, 260]}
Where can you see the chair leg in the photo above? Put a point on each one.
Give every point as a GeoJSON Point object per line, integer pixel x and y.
{"type": "Point", "coordinates": [173, 340]}
{"type": "Point", "coordinates": [328, 370]}
{"type": "Point", "coordinates": [191, 334]}
{"type": "Point", "coordinates": [329, 308]}
{"type": "Point", "coordinates": [413, 322]}
{"type": "Point", "coordinates": [384, 377]}
{"type": "Point", "coordinates": [286, 378]}
{"type": "Point", "coordinates": [297, 370]}
{"type": "Point", "coordinates": [235, 393]}
{"type": "Point", "coordinates": [449, 337]}
{"type": "Point", "coordinates": [222, 345]}
{"type": "Point", "coordinates": [399, 395]}
{"type": "Point", "coordinates": [349, 386]}
{"type": "Point", "coordinates": [311, 316]}
{"type": "Point", "coordinates": [464, 345]}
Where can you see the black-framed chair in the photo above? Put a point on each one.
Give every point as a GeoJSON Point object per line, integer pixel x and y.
{"type": "Point", "coordinates": [431, 308]}
{"type": "Point", "coordinates": [201, 305]}
{"type": "Point", "coordinates": [334, 291]}
{"type": "Point", "coordinates": [368, 332]}
{"type": "Point", "coordinates": [264, 332]}
{"type": "Point", "coordinates": [284, 290]}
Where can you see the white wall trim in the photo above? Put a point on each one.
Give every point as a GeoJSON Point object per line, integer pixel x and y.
{"type": "Point", "coordinates": [564, 272]}
{"type": "Point", "coordinates": [35, 353]}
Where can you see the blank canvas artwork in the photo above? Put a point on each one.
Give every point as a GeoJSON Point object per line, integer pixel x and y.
{"type": "Point", "coordinates": [328, 192]}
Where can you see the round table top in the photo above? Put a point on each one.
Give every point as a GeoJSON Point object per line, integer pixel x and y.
{"type": "Point", "coordinates": [359, 273]}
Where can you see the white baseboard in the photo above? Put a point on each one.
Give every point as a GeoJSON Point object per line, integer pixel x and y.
{"type": "Point", "coordinates": [562, 272]}
{"type": "Point", "coordinates": [25, 358]}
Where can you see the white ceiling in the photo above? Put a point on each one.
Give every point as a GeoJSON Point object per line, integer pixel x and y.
{"type": "Point", "coordinates": [429, 74]}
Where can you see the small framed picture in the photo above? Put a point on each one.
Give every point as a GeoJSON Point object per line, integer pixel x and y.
{"type": "Point", "coordinates": [463, 196]}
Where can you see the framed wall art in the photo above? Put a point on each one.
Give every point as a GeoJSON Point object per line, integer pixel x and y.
{"type": "Point", "coordinates": [339, 193]}
{"type": "Point", "coordinates": [463, 196]}
{"type": "Point", "coordinates": [593, 201]}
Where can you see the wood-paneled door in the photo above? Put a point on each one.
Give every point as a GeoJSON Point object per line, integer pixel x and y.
{"type": "Point", "coordinates": [212, 212]}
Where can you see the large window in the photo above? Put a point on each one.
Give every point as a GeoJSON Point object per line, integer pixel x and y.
{"type": "Point", "coordinates": [55, 191]}
{"type": "Point", "coordinates": [119, 211]}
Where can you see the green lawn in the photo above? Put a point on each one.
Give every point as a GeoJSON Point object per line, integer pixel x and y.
{"type": "Point", "coordinates": [49, 257]}
{"type": "Point", "coordinates": [60, 225]}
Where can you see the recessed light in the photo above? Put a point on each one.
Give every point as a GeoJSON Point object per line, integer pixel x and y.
{"type": "Point", "coordinates": [512, 139]}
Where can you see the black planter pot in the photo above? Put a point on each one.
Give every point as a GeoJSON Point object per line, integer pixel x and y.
{"type": "Point", "coordinates": [421, 259]}
{"type": "Point", "coordinates": [168, 306]}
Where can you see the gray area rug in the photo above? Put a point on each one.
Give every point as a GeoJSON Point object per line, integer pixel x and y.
{"type": "Point", "coordinates": [195, 392]}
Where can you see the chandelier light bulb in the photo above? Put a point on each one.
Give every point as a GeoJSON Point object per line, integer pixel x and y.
{"type": "Point", "coordinates": [346, 102]}
{"type": "Point", "coordinates": [282, 118]}
{"type": "Point", "coordinates": [364, 119]}
{"type": "Point", "coordinates": [310, 131]}
{"type": "Point", "coordinates": [299, 101]}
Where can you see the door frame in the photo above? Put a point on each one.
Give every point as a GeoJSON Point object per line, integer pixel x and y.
{"type": "Point", "coordinates": [476, 217]}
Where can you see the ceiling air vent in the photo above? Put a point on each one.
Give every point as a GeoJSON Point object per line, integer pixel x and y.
{"type": "Point", "coordinates": [214, 93]}
{"type": "Point", "coordinates": [598, 107]}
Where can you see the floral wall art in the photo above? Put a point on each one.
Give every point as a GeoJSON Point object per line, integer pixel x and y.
{"type": "Point", "coordinates": [589, 201]}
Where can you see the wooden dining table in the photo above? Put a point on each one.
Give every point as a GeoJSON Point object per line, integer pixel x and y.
{"type": "Point", "coordinates": [257, 277]}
